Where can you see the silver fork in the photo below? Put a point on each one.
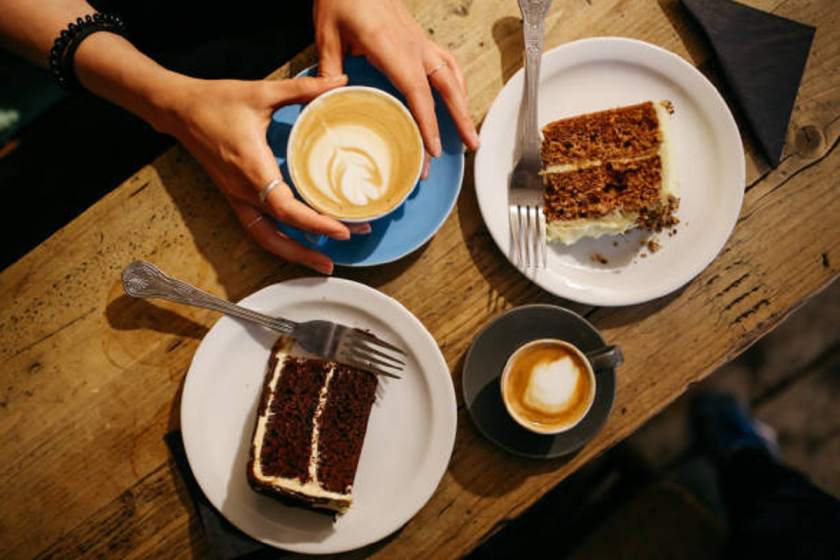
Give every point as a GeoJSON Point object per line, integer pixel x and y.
{"type": "Point", "coordinates": [333, 341]}
{"type": "Point", "coordinates": [525, 197]}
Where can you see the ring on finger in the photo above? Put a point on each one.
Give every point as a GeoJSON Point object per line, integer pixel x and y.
{"type": "Point", "coordinates": [253, 222]}
{"type": "Point", "coordinates": [440, 66]}
{"type": "Point", "coordinates": [266, 190]}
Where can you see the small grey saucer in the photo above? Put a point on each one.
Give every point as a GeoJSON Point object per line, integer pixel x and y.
{"type": "Point", "coordinates": [484, 363]}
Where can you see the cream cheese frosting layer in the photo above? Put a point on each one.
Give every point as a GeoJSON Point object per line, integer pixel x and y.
{"type": "Point", "coordinates": [569, 231]}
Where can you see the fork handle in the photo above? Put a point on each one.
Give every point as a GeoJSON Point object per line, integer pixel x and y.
{"type": "Point", "coordinates": [533, 30]}
{"type": "Point", "coordinates": [142, 279]}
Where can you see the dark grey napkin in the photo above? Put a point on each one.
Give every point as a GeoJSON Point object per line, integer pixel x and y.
{"type": "Point", "coordinates": [762, 57]}
{"type": "Point", "coordinates": [226, 542]}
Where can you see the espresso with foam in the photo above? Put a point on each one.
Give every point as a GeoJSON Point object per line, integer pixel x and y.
{"type": "Point", "coordinates": [549, 387]}
{"type": "Point", "coordinates": [355, 154]}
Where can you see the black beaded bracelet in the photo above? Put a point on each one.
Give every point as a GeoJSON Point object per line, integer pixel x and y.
{"type": "Point", "coordinates": [64, 48]}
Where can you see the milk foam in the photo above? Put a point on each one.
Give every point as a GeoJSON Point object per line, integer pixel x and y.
{"type": "Point", "coordinates": [552, 385]}
{"type": "Point", "coordinates": [350, 163]}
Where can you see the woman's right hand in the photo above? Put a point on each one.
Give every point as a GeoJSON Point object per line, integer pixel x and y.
{"type": "Point", "coordinates": [223, 124]}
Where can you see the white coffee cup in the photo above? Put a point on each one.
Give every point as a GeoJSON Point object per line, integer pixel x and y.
{"type": "Point", "coordinates": [549, 385]}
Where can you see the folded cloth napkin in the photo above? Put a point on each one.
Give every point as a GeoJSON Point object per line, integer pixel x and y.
{"type": "Point", "coordinates": [225, 541]}
{"type": "Point", "coordinates": [762, 57]}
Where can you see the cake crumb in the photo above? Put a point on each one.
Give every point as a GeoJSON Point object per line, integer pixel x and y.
{"type": "Point", "coordinates": [661, 216]}
{"type": "Point", "coordinates": [599, 258]}
{"type": "Point", "coordinates": [653, 245]}
{"type": "Point", "coordinates": [668, 106]}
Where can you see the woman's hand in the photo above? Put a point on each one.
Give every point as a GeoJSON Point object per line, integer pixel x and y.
{"type": "Point", "coordinates": [223, 124]}
{"type": "Point", "coordinates": [388, 36]}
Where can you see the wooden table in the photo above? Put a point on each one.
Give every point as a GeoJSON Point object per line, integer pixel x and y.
{"type": "Point", "coordinates": [90, 379]}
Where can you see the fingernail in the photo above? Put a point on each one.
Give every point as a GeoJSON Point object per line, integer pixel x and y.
{"type": "Point", "coordinates": [341, 235]}
{"type": "Point", "coordinates": [323, 267]}
{"type": "Point", "coordinates": [474, 141]}
{"type": "Point", "coordinates": [364, 229]}
{"type": "Point", "coordinates": [436, 147]}
{"type": "Point", "coordinates": [334, 79]}
{"type": "Point", "coordinates": [426, 166]}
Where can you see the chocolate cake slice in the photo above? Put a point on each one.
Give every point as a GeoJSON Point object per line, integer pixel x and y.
{"type": "Point", "coordinates": [309, 431]}
{"type": "Point", "coordinates": [608, 172]}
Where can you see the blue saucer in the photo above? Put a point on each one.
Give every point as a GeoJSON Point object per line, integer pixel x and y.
{"type": "Point", "coordinates": [418, 219]}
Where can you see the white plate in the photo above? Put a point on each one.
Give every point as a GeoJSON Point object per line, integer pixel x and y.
{"type": "Point", "coordinates": [606, 72]}
{"type": "Point", "coordinates": [408, 443]}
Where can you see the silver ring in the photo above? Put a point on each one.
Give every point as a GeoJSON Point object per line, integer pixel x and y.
{"type": "Point", "coordinates": [435, 69]}
{"type": "Point", "coordinates": [253, 222]}
{"type": "Point", "coordinates": [268, 188]}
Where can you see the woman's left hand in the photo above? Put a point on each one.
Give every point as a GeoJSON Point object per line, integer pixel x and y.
{"type": "Point", "coordinates": [385, 33]}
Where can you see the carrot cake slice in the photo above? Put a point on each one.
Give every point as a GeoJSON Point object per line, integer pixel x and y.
{"type": "Point", "coordinates": [608, 172]}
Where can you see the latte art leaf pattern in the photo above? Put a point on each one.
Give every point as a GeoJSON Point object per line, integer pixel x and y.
{"type": "Point", "coordinates": [351, 164]}
{"type": "Point", "coordinates": [354, 176]}
{"type": "Point", "coordinates": [355, 154]}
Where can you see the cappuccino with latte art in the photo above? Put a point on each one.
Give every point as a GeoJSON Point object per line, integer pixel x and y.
{"type": "Point", "coordinates": [355, 153]}
{"type": "Point", "coordinates": [548, 386]}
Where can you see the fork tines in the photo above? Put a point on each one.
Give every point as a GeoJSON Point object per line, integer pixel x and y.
{"type": "Point", "coordinates": [362, 350]}
{"type": "Point", "coordinates": [527, 227]}
{"type": "Point", "coordinates": [373, 339]}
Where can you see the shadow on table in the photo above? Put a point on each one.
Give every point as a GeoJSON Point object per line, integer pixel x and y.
{"type": "Point", "coordinates": [507, 284]}
{"type": "Point", "coordinates": [376, 276]}
{"type": "Point", "coordinates": [683, 23]}
{"type": "Point", "coordinates": [238, 263]}
{"type": "Point", "coordinates": [615, 317]}
{"type": "Point", "coordinates": [506, 472]}
{"type": "Point", "coordinates": [128, 313]}
{"type": "Point", "coordinates": [507, 33]}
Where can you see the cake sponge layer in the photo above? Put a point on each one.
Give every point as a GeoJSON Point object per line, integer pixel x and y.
{"type": "Point", "coordinates": [622, 133]}
{"type": "Point", "coordinates": [591, 192]}
{"type": "Point", "coordinates": [290, 411]}
{"type": "Point", "coordinates": [343, 425]}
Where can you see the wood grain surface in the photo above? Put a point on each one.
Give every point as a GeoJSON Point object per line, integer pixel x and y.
{"type": "Point", "coordinates": [90, 379]}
